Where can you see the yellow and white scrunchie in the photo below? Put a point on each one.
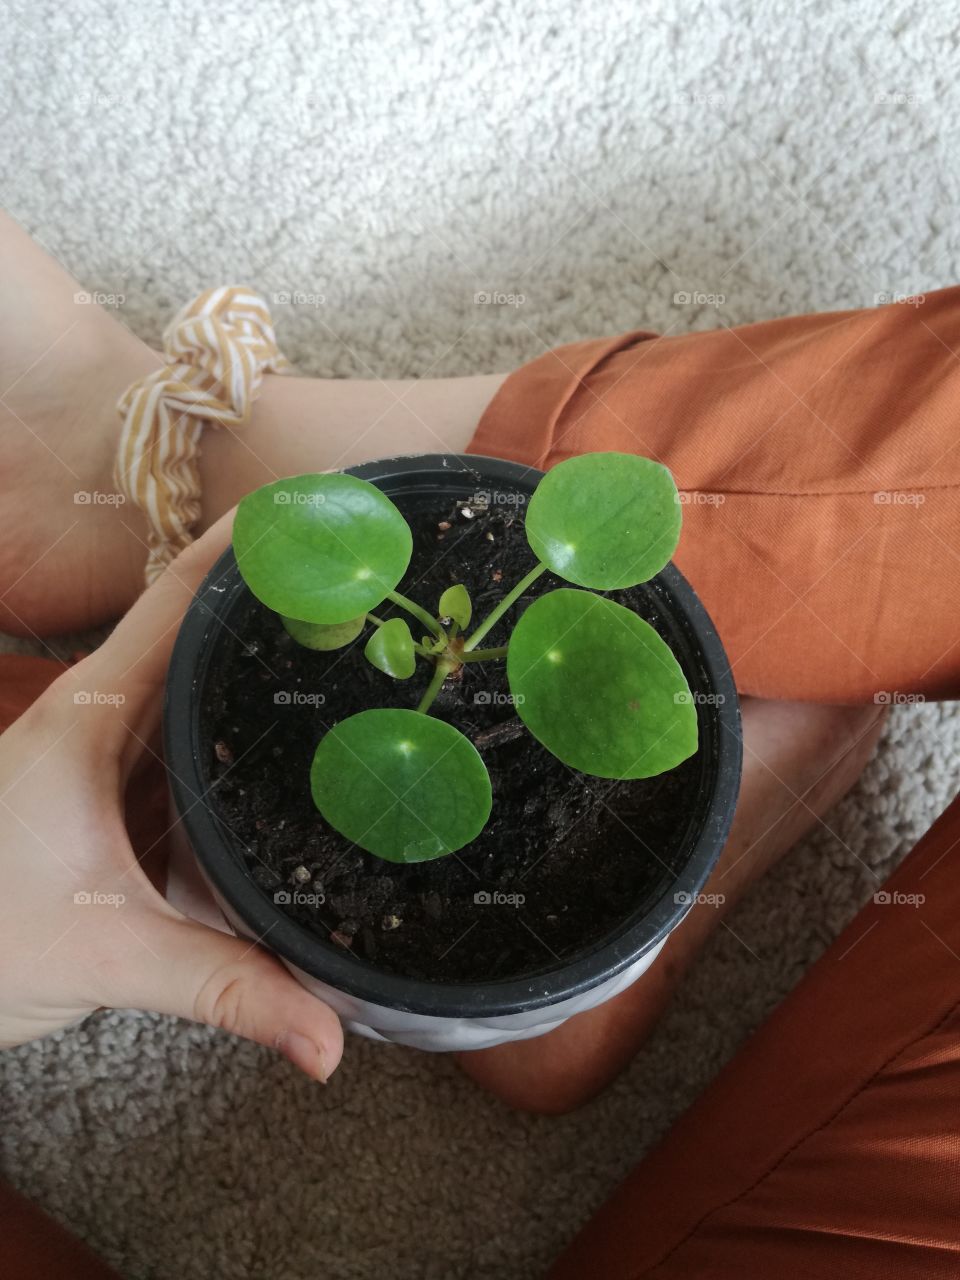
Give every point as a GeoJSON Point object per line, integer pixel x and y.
{"type": "Point", "coordinates": [219, 346]}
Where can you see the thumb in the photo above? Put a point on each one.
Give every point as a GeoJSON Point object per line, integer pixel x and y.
{"type": "Point", "coordinates": [191, 971]}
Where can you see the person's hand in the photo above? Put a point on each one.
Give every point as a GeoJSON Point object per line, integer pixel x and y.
{"type": "Point", "coordinates": [81, 925]}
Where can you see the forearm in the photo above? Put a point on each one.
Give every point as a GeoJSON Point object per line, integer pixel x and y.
{"type": "Point", "coordinates": [313, 424]}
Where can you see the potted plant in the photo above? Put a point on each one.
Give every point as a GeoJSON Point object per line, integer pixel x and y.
{"type": "Point", "coordinates": [462, 811]}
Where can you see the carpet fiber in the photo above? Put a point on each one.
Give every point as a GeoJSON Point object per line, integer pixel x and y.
{"type": "Point", "coordinates": [382, 166]}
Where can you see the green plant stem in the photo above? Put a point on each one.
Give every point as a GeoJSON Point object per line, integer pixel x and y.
{"type": "Point", "coordinates": [496, 614]}
{"type": "Point", "coordinates": [433, 688]}
{"type": "Point", "coordinates": [484, 655]}
{"type": "Point", "coordinates": [418, 611]}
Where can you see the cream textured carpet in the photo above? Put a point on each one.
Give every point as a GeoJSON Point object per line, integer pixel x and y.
{"type": "Point", "coordinates": [382, 165]}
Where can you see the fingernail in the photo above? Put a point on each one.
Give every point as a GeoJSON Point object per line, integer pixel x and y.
{"type": "Point", "coordinates": [303, 1053]}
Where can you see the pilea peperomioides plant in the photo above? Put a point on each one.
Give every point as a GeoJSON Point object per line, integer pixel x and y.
{"type": "Point", "coordinates": [593, 682]}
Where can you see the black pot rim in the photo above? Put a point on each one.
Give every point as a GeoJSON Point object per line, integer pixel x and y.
{"type": "Point", "coordinates": [216, 850]}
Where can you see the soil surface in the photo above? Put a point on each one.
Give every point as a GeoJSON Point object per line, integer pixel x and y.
{"type": "Point", "coordinates": [564, 860]}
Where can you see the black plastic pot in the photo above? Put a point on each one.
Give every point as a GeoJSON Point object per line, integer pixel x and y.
{"type": "Point", "coordinates": [688, 630]}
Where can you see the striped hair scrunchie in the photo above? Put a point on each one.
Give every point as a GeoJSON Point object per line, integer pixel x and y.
{"type": "Point", "coordinates": [218, 347]}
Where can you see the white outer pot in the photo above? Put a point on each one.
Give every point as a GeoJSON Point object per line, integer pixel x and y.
{"type": "Point", "coordinates": [443, 1035]}
{"type": "Point", "coordinates": [190, 892]}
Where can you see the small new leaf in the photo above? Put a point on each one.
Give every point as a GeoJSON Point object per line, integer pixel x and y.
{"type": "Point", "coordinates": [390, 649]}
{"type": "Point", "coordinates": [455, 603]}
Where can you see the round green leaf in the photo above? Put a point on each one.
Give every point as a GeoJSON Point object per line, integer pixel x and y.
{"type": "Point", "coordinates": [314, 635]}
{"type": "Point", "coordinates": [390, 649]}
{"type": "Point", "coordinates": [455, 603]}
{"type": "Point", "coordinates": [402, 785]}
{"type": "Point", "coordinates": [599, 688]}
{"type": "Point", "coordinates": [605, 520]}
{"type": "Point", "coordinates": [321, 548]}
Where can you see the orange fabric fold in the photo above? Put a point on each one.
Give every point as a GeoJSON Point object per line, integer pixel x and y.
{"type": "Point", "coordinates": [818, 459]}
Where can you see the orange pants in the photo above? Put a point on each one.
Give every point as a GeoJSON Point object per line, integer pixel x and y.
{"type": "Point", "coordinates": [819, 461]}
{"type": "Point", "coordinates": [828, 1149]}
{"type": "Point", "coordinates": [819, 458]}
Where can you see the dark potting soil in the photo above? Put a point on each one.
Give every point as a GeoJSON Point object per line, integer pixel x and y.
{"type": "Point", "coordinates": [564, 860]}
